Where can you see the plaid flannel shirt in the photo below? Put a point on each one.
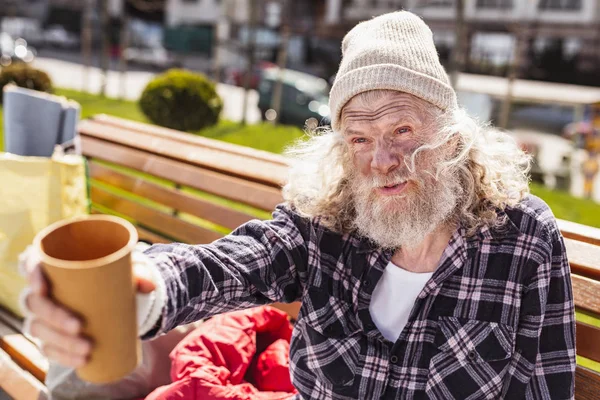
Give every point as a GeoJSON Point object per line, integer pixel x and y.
{"type": "Point", "coordinates": [496, 320]}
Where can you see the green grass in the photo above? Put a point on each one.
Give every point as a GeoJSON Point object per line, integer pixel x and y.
{"type": "Point", "coordinates": [589, 319]}
{"type": "Point", "coordinates": [92, 104]}
{"type": "Point", "coordinates": [261, 136]}
{"type": "Point", "coordinates": [565, 206]}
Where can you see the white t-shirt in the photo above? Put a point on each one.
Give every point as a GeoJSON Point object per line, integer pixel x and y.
{"type": "Point", "coordinates": [393, 299]}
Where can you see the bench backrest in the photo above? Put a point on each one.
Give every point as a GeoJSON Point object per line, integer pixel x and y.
{"type": "Point", "coordinates": [583, 251]}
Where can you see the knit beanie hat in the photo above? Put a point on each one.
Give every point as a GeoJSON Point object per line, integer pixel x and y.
{"type": "Point", "coordinates": [393, 51]}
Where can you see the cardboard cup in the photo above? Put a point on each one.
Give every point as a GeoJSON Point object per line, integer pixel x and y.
{"type": "Point", "coordinates": [88, 264]}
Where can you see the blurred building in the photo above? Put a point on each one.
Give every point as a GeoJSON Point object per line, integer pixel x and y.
{"type": "Point", "coordinates": [552, 40]}
{"type": "Point", "coordinates": [23, 8]}
{"type": "Point", "coordinates": [29, 18]}
{"type": "Point", "coordinates": [541, 30]}
{"type": "Point", "coordinates": [307, 51]}
{"type": "Point", "coordinates": [190, 25]}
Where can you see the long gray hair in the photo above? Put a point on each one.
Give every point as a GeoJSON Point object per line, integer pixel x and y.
{"type": "Point", "coordinates": [492, 169]}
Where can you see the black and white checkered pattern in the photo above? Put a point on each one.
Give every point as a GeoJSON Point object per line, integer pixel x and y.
{"type": "Point", "coordinates": [496, 320]}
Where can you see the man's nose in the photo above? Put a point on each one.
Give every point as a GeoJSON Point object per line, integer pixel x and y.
{"type": "Point", "coordinates": [384, 160]}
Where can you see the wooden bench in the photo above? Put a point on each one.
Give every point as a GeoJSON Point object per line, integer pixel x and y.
{"type": "Point", "coordinates": [178, 187]}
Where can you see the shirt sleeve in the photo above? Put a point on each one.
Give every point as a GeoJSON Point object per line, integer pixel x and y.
{"type": "Point", "coordinates": [544, 363]}
{"type": "Point", "coordinates": [261, 262]}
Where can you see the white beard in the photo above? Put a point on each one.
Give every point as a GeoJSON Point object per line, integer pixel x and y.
{"type": "Point", "coordinates": [404, 220]}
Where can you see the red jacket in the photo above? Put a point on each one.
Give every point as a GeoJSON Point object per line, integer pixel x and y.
{"type": "Point", "coordinates": [241, 355]}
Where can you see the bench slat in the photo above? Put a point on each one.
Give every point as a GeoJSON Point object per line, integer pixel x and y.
{"type": "Point", "coordinates": [151, 237]}
{"type": "Point", "coordinates": [579, 232]}
{"type": "Point", "coordinates": [186, 138]}
{"type": "Point", "coordinates": [143, 234]}
{"type": "Point", "coordinates": [173, 198]}
{"type": "Point", "coordinates": [292, 309]}
{"type": "Point", "coordinates": [254, 194]}
{"type": "Point", "coordinates": [588, 341]}
{"type": "Point", "coordinates": [18, 383]}
{"type": "Point", "coordinates": [587, 384]}
{"type": "Point", "coordinates": [251, 169]}
{"type": "Point", "coordinates": [10, 319]}
{"type": "Point", "coordinates": [24, 352]}
{"type": "Point", "coordinates": [586, 293]}
{"type": "Point", "coordinates": [584, 258]}
{"type": "Point", "coordinates": [155, 219]}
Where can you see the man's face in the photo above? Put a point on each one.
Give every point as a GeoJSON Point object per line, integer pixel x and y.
{"type": "Point", "coordinates": [396, 205]}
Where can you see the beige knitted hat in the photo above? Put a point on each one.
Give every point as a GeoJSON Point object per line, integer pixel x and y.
{"type": "Point", "coordinates": [393, 51]}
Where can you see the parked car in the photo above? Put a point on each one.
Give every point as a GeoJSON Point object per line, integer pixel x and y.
{"type": "Point", "coordinates": [303, 97]}
{"type": "Point", "coordinates": [57, 36]}
{"type": "Point", "coordinates": [155, 57]}
{"type": "Point", "coordinates": [14, 51]}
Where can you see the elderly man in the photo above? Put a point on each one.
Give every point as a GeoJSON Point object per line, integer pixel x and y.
{"type": "Point", "coordinates": [424, 268]}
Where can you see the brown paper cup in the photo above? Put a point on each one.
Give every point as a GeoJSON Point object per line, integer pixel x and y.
{"type": "Point", "coordinates": [88, 264]}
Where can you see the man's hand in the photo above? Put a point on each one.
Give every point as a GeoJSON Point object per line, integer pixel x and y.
{"type": "Point", "coordinates": [59, 330]}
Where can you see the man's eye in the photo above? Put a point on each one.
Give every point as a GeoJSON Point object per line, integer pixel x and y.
{"type": "Point", "coordinates": [359, 140]}
{"type": "Point", "coordinates": [403, 130]}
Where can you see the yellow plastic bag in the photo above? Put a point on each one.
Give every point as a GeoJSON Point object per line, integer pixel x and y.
{"type": "Point", "coordinates": [34, 192]}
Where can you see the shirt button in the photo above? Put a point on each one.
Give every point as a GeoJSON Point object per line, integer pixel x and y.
{"type": "Point", "coordinates": [472, 355]}
{"type": "Point", "coordinates": [370, 327]}
{"type": "Point", "coordinates": [394, 359]}
{"type": "Point", "coordinates": [367, 283]}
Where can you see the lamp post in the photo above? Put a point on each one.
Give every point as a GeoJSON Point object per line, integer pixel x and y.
{"type": "Point", "coordinates": [250, 54]}
{"type": "Point", "coordinates": [458, 53]}
{"type": "Point", "coordinates": [281, 62]}
{"type": "Point", "coordinates": [522, 34]}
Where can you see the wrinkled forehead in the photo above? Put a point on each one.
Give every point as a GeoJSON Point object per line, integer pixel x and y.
{"type": "Point", "coordinates": [380, 105]}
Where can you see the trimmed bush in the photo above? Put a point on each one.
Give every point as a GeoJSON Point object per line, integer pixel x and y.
{"type": "Point", "coordinates": [181, 100]}
{"type": "Point", "coordinates": [25, 76]}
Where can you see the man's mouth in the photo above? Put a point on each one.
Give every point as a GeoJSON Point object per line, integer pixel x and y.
{"type": "Point", "coordinates": [392, 189]}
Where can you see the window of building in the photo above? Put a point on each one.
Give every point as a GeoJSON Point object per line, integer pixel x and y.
{"type": "Point", "coordinates": [560, 5]}
{"type": "Point", "coordinates": [502, 4]}
{"type": "Point", "coordinates": [395, 4]}
{"type": "Point", "coordinates": [438, 3]}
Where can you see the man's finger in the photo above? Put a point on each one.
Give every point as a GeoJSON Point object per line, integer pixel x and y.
{"type": "Point", "coordinates": [54, 315]}
{"type": "Point", "coordinates": [37, 280]}
{"type": "Point", "coordinates": [73, 345]}
{"type": "Point", "coordinates": [63, 358]}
